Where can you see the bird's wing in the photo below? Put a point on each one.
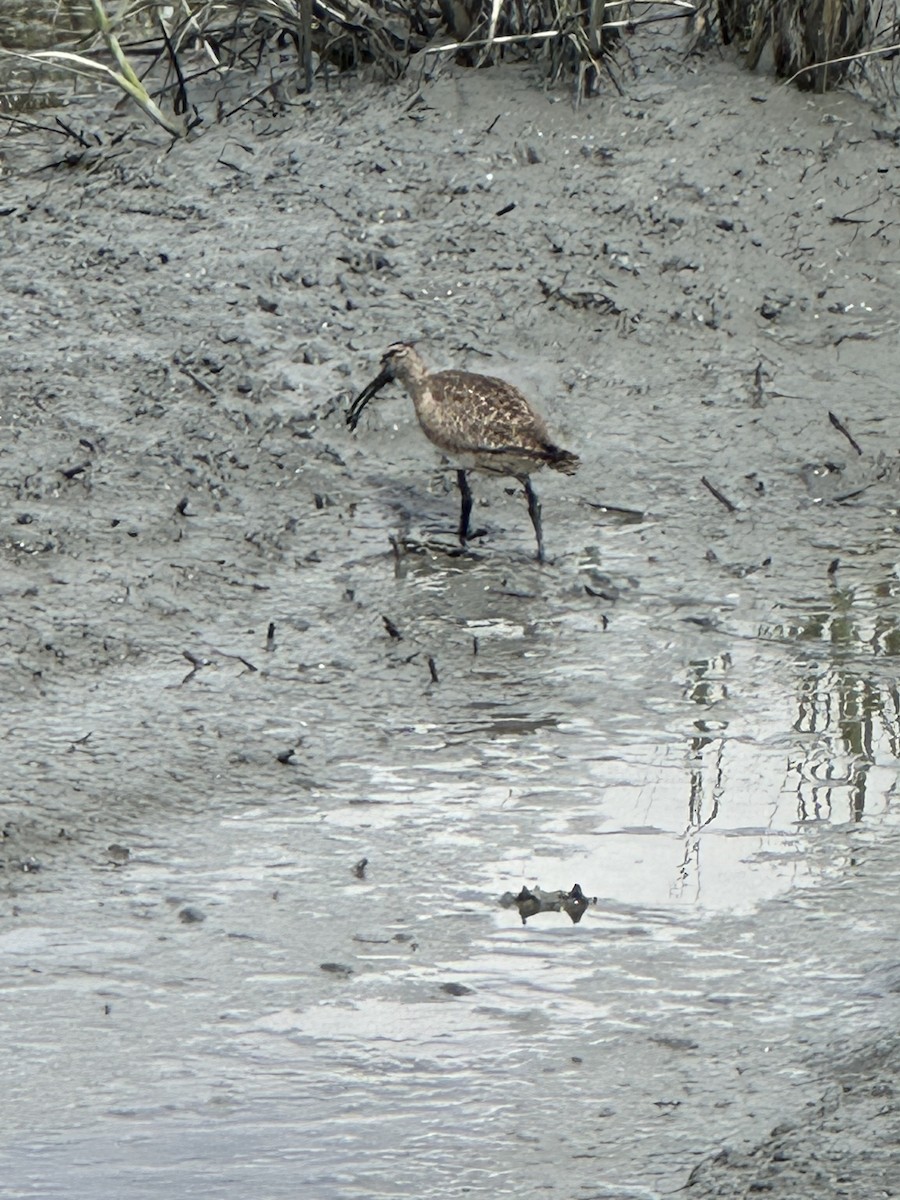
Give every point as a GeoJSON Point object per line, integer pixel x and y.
{"type": "Point", "coordinates": [489, 413]}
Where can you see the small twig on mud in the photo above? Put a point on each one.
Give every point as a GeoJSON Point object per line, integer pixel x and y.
{"type": "Point", "coordinates": [854, 495]}
{"type": "Point", "coordinates": [13, 120]}
{"type": "Point", "coordinates": [196, 662]}
{"type": "Point", "coordinates": [759, 376]}
{"type": "Point", "coordinates": [72, 133]}
{"type": "Point", "coordinates": [201, 383]}
{"type": "Point", "coordinates": [270, 637]}
{"type": "Point", "coordinates": [392, 629]}
{"type": "Point", "coordinates": [432, 667]}
{"type": "Point", "coordinates": [711, 487]}
{"type": "Point", "coordinates": [629, 515]}
{"type": "Point", "coordinates": [71, 472]}
{"type": "Point", "coordinates": [233, 166]}
{"type": "Point", "coordinates": [222, 116]}
{"type": "Point", "coordinates": [237, 658]}
{"type": "Point", "coordinates": [842, 428]}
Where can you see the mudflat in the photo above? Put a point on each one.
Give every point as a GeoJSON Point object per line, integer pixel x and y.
{"type": "Point", "coordinates": [243, 652]}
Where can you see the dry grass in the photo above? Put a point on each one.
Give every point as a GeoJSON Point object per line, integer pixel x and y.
{"type": "Point", "coordinates": [280, 46]}
{"type": "Point", "coordinates": [813, 43]}
{"type": "Point", "coordinates": [275, 49]}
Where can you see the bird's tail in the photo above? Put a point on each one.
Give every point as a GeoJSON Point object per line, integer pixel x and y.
{"type": "Point", "coordinates": [562, 460]}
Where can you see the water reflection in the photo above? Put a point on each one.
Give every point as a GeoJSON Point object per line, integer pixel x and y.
{"type": "Point", "coordinates": [854, 721]}
{"type": "Point", "coordinates": [706, 755]}
{"type": "Point", "coordinates": [841, 706]}
{"type": "Point", "coordinates": [848, 724]}
{"type": "Point", "coordinates": [706, 686]}
{"type": "Point", "coordinates": [706, 680]}
{"type": "Point", "coordinates": [858, 619]}
{"type": "Point", "coordinates": [848, 709]}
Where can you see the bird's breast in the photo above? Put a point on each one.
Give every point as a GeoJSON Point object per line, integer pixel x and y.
{"type": "Point", "coordinates": [439, 422]}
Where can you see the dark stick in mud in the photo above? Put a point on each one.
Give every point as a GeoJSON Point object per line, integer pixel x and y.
{"type": "Point", "coordinates": [196, 663]}
{"type": "Point", "coordinates": [393, 632]}
{"type": "Point", "coordinates": [722, 499]}
{"type": "Point", "coordinates": [842, 428]}
{"type": "Point", "coordinates": [759, 385]}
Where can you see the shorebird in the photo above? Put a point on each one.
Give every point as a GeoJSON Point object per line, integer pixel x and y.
{"type": "Point", "coordinates": [482, 423]}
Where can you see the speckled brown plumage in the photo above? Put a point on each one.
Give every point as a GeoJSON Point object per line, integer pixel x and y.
{"type": "Point", "coordinates": [482, 422]}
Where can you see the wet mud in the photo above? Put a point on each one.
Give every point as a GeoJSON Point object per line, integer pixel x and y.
{"type": "Point", "coordinates": [243, 652]}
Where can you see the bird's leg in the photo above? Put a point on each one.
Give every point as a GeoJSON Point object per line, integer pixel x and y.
{"type": "Point", "coordinates": [462, 479]}
{"type": "Point", "coordinates": [534, 511]}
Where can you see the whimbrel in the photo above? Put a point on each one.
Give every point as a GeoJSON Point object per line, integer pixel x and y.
{"type": "Point", "coordinates": [482, 423]}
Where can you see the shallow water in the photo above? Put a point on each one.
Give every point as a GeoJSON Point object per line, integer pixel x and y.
{"type": "Point", "coordinates": [675, 779]}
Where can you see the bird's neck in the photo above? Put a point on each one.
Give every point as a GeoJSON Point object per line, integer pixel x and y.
{"type": "Point", "coordinates": [415, 380]}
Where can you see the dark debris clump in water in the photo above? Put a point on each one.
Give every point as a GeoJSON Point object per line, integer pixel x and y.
{"type": "Point", "coordinates": [531, 901]}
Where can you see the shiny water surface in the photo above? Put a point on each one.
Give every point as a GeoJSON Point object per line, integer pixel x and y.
{"type": "Point", "coordinates": [401, 1033]}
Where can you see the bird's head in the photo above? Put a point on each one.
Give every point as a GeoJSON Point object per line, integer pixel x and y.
{"type": "Point", "coordinates": [400, 361]}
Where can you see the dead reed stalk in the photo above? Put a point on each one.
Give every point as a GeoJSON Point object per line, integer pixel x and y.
{"type": "Point", "coordinates": [812, 42]}
{"type": "Point", "coordinates": [179, 43]}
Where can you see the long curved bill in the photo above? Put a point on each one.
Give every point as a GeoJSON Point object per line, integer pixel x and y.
{"type": "Point", "coordinates": [355, 410]}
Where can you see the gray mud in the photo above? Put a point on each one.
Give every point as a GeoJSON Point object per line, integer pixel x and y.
{"type": "Point", "coordinates": [691, 711]}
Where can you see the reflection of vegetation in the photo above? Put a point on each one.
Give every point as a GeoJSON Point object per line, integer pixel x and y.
{"type": "Point", "coordinates": [698, 816]}
{"type": "Point", "coordinates": [847, 707]}
{"type": "Point", "coordinates": [852, 710]}
{"type": "Point", "coordinates": [707, 774]}
{"type": "Point", "coordinates": [706, 680]}
{"type": "Point", "coordinates": [858, 619]}
{"type": "Point", "coordinates": [852, 714]}
{"type": "Point", "coordinates": [854, 705]}
{"type": "Point", "coordinates": [847, 716]}
{"type": "Point", "coordinates": [706, 686]}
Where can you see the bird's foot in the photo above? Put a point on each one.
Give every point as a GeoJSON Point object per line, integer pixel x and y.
{"type": "Point", "coordinates": [472, 533]}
